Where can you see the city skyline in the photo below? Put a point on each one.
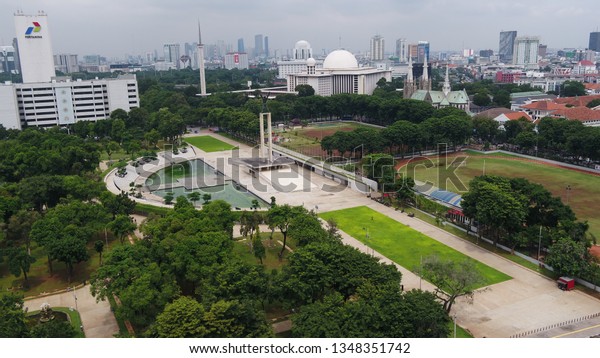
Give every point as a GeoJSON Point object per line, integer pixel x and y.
{"type": "Point", "coordinates": [140, 26]}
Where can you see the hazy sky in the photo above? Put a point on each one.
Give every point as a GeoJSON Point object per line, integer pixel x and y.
{"type": "Point", "coordinates": [116, 28]}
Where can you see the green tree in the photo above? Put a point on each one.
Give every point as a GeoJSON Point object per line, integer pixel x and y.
{"type": "Point", "coordinates": [482, 99]}
{"type": "Point", "coordinates": [280, 216]}
{"type": "Point", "coordinates": [169, 198]}
{"type": "Point", "coordinates": [568, 257]}
{"type": "Point", "coordinates": [206, 198]}
{"type": "Point", "coordinates": [19, 261]}
{"type": "Point", "coordinates": [70, 248]}
{"type": "Point", "coordinates": [258, 249]}
{"type": "Point", "coordinates": [194, 197]}
{"type": "Point", "coordinates": [182, 318]}
{"type": "Point", "coordinates": [117, 204]}
{"type": "Point", "coordinates": [12, 316]}
{"type": "Point", "coordinates": [305, 90]}
{"type": "Point", "coordinates": [593, 103]}
{"type": "Point", "coordinates": [53, 329]}
{"type": "Point", "coordinates": [452, 279]}
{"type": "Point", "coordinates": [122, 226]}
{"type": "Point", "coordinates": [572, 89]}
{"type": "Point", "coordinates": [99, 247]}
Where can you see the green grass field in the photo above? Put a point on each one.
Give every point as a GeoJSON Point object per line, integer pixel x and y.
{"type": "Point", "coordinates": [584, 196]}
{"type": "Point", "coordinates": [209, 144]}
{"type": "Point", "coordinates": [399, 242]}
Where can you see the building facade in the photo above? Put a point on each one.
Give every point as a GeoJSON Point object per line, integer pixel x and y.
{"type": "Point", "coordinates": [377, 48]}
{"type": "Point", "coordinates": [301, 53]}
{"type": "Point", "coordinates": [35, 47]}
{"type": "Point", "coordinates": [258, 45]}
{"type": "Point", "coordinates": [172, 54]}
{"type": "Point", "coordinates": [594, 41]}
{"type": "Point", "coordinates": [401, 51]}
{"type": "Point", "coordinates": [423, 51]}
{"type": "Point", "coordinates": [526, 51]}
{"type": "Point", "coordinates": [506, 46]}
{"type": "Point", "coordinates": [8, 59]}
{"type": "Point", "coordinates": [340, 74]}
{"type": "Point", "coordinates": [64, 102]}
{"type": "Point", "coordinates": [237, 60]}
{"type": "Point", "coordinates": [66, 63]}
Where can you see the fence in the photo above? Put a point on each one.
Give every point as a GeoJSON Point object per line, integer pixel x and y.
{"type": "Point", "coordinates": [556, 325]}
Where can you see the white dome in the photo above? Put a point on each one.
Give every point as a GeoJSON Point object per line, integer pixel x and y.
{"type": "Point", "coordinates": [302, 45]}
{"type": "Point", "coordinates": [340, 59]}
{"type": "Point", "coordinates": [311, 62]}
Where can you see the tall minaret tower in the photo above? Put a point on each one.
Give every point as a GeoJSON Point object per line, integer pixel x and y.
{"type": "Point", "coordinates": [201, 62]}
{"type": "Point", "coordinates": [446, 89]}
{"type": "Point", "coordinates": [409, 86]}
{"type": "Point", "coordinates": [425, 81]}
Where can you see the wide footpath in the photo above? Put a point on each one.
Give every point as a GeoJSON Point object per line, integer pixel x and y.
{"type": "Point", "coordinates": [527, 302]}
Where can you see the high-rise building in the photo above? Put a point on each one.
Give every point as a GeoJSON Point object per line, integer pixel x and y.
{"type": "Point", "coordinates": [266, 49]}
{"type": "Point", "coordinates": [258, 45]}
{"type": "Point", "coordinates": [413, 52]}
{"type": "Point", "coordinates": [401, 50]}
{"type": "Point", "coordinates": [172, 54]}
{"type": "Point", "coordinates": [241, 47]}
{"type": "Point", "coordinates": [595, 41]}
{"type": "Point", "coordinates": [423, 51]}
{"type": "Point", "coordinates": [35, 47]}
{"type": "Point", "coordinates": [542, 50]}
{"type": "Point", "coordinates": [7, 59]}
{"type": "Point", "coordinates": [66, 63]}
{"type": "Point", "coordinates": [17, 61]}
{"type": "Point", "coordinates": [526, 51]}
{"type": "Point", "coordinates": [237, 60]}
{"type": "Point", "coordinates": [377, 48]}
{"type": "Point", "coordinates": [506, 46]}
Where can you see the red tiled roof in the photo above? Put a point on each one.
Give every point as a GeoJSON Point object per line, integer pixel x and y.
{"type": "Point", "coordinates": [586, 63]}
{"type": "Point", "coordinates": [580, 101]}
{"type": "Point", "coordinates": [579, 113]}
{"type": "Point", "coordinates": [513, 116]}
{"type": "Point", "coordinates": [592, 86]}
{"type": "Point", "coordinates": [544, 106]}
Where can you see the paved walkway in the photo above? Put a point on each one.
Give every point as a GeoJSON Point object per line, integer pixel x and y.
{"type": "Point", "coordinates": [96, 317]}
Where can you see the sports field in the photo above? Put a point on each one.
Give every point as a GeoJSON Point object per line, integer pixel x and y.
{"type": "Point", "coordinates": [208, 143]}
{"type": "Point", "coordinates": [308, 140]}
{"type": "Point", "coordinates": [583, 195]}
{"type": "Point", "coordinates": [399, 242]}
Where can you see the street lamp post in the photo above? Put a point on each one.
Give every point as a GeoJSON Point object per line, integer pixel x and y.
{"type": "Point", "coordinates": [539, 244]}
{"type": "Point", "coordinates": [454, 317]}
{"type": "Point", "coordinates": [568, 189]}
{"type": "Point", "coordinates": [72, 289]}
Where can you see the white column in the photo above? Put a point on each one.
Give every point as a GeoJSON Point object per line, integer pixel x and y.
{"type": "Point", "coordinates": [261, 153]}
{"type": "Point", "coordinates": [270, 134]}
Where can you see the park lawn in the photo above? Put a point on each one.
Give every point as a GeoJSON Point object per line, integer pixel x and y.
{"type": "Point", "coordinates": [584, 196]}
{"type": "Point", "coordinates": [241, 250]}
{"type": "Point", "coordinates": [40, 280]}
{"type": "Point", "coordinates": [400, 243]}
{"type": "Point", "coordinates": [209, 144]}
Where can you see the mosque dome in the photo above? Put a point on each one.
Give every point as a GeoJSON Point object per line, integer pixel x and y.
{"type": "Point", "coordinates": [311, 62]}
{"type": "Point", "coordinates": [302, 45]}
{"type": "Point", "coordinates": [340, 59]}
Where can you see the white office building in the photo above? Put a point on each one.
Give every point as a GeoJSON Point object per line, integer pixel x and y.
{"type": "Point", "coordinates": [340, 74]}
{"type": "Point", "coordinates": [301, 53]}
{"type": "Point", "coordinates": [526, 51]}
{"type": "Point", "coordinates": [63, 102]}
{"type": "Point", "coordinates": [237, 60]}
{"type": "Point", "coordinates": [35, 47]}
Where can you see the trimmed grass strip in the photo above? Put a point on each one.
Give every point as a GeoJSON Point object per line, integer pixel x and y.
{"type": "Point", "coordinates": [400, 243]}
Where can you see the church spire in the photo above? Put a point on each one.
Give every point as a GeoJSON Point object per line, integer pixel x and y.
{"type": "Point", "coordinates": [409, 86]}
{"type": "Point", "coordinates": [446, 89]}
{"type": "Point", "coordinates": [425, 81]}
{"type": "Point", "coordinates": [410, 70]}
